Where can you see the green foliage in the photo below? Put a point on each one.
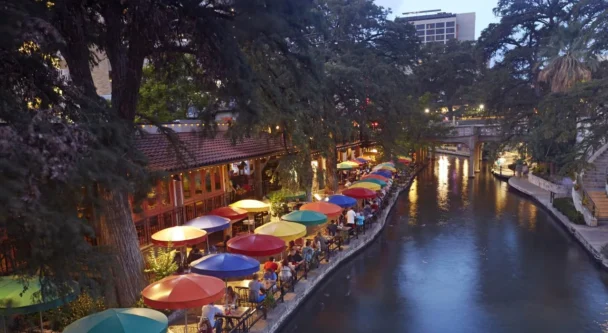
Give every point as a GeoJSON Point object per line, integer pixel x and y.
{"type": "Point", "coordinates": [277, 199]}
{"type": "Point", "coordinates": [566, 207]}
{"type": "Point", "coordinates": [81, 307]}
{"type": "Point", "coordinates": [160, 263]}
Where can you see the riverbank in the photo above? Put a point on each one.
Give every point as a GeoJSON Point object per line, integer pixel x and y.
{"type": "Point", "coordinates": [591, 238]}
{"type": "Point", "coordinates": [279, 315]}
{"type": "Point", "coordinates": [452, 152]}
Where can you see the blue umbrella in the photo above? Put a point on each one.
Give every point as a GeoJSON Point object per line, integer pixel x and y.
{"type": "Point", "coordinates": [341, 200]}
{"type": "Point", "coordinates": [362, 160]}
{"type": "Point", "coordinates": [383, 173]}
{"type": "Point", "coordinates": [225, 265]}
{"type": "Point", "coordinates": [209, 223]}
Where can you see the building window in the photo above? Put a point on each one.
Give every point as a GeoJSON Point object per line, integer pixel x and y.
{"type": "Point", "coordinates": [430, 26]}
{"type": "Point", "coordinates": [186, 186]}
{"type": "Point", "coordinates": [420, 33]}
{"type": "Point", "coordinates": [421, 38]}
{"type": "Point", "coordinates": [450, 24]}
{"type": "Point", "coordinates": [198, 183]}
{"type": "Point", "coordinates": [449, 36]}
{"type": "Point", "coordinates": [439, 37]}
{"type": "Point", "coordinates": [439, 25]}
{"type": "Point", "coordinates": [218, 179]}
{"type": "Point", "coordinates": [449, 30]}
{"type": "Point", "coordinates": [440, 31]}
{"type": "Point", "coordinates": [419, 26]}
{"type": "Point", "coordinates": [208, 181]}
{"type": "Point", "coordinates": [430, 32]}
{"type": "Point", "coordinates": [430, 38]}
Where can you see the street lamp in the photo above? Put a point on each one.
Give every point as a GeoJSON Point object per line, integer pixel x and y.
{"type": "Point", "coordinates": [427, 110]}
{"type": "Point", "coordinates": [481, 106]}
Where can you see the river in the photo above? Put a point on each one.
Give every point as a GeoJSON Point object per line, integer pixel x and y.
{"type": "Point", "coordinates": [462, 254]}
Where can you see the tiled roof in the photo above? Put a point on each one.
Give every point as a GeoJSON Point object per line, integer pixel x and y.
{"type": "Point", "coordinates": [203, 151]}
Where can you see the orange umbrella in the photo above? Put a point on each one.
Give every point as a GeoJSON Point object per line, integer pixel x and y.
{"type": "Point", "coordinates": [232, 213]}
{"type": "Point", "coordinates": [330, 210]}
{"type": "Point", "coordinates": [183, 292]}
{"type": "Point", "coordinates": [374, 176]}
{"type": "Point", "coordinates": [179, 236]}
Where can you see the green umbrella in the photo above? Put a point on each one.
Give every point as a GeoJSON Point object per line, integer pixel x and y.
{"type": "Point", "coordinates": [14, 300]}
{"type": "Point", "coordinates": [132, 320]}
{"type": "Point", "coordinates": [372, 180]}
{"type": "Point", "coordinates": [346, 166]}
{"type": "Point", "coordinates": [305, 217]}
{"type": "Point", "coordinates": [288, 195]}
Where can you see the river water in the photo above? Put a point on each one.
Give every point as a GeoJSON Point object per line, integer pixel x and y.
{"type": "Point", "coordinates": [462, 255]}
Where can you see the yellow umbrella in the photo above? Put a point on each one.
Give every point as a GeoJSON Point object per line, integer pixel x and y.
{"type": "Point", "coordinates": [251, 206]}
{"type": "Point", "coordinates": [286, 231]}
{"type": "Point", "coordinates": [355, 164]}
{"type": "Point", "coordinates": [369, 186]}
{"type": "Point", "coordinates": [387, 167]}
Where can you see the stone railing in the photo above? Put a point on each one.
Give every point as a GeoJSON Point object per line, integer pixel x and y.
{"type": "Point", "coordinates": [558, 189]}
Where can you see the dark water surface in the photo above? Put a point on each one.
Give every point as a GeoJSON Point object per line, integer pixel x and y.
{"type": "Point", "coordinates": [462, 255]}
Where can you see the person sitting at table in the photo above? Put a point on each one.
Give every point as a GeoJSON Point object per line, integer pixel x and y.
{"type": "Point", "coordinates": [270, 279]}
{"type": "Point", "coordinates": [256, 290]}
{"type": "Point", "coordinates": [347, 183]}
{"type": "Point", "coordinates": [367, 210]}
{"type": "Point", "coordinates": [208, 314]}
{"type": "Point", "coordinates": [332, 228]}
{"type": "Point", "coordinates": [231, 298]}
{"type": "Point", "coordinates": [308, 252]}
{"type": "Point", "coordinates": [287, 272]}
{"type": "Point", "coordinates": [271, 264]}
{"type": "Point", "coordinates": [321, 242]}
{"type": "Point", "coordinates": [374, 205]}
{"type": "Point", "coordinates": [194, 254]}
{"type": "Point", "coordinates": [295, 258]}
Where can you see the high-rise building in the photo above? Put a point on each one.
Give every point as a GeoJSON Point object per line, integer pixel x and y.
{"type": "Point", "coordinates": [441, 27]}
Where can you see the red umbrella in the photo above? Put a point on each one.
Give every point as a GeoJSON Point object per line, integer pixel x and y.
{"type": "Point", "coordinates": [183, 292]}
{"type": "Point", "coordinates": [256, 245]}
{"type": "Point", "coordinates": [232, 213]}
{"type": "Point", "coordinates": [384, 179]}
{"type": "Point", "coordinates": [329, 209]}
{"type": "Point", "coordinates": [179, 236]}
{"type": "Point", "coordinates": [359, 193]}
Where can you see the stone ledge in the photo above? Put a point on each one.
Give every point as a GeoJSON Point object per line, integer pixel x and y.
{"type": "Point", "coordinates": [338, 259]}
{"type": "Point", "coordinates": [561, 190]}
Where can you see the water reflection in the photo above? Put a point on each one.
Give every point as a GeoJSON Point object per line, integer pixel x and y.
{"type": "Point", "coordinates": [491, 263]}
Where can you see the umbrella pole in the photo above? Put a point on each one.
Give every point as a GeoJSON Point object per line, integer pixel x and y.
{"type": "Point", "coordinates": [3, 324]}
{"type": "Point", "coordinates": [41, 326]}
{"type": "Point", "coordinates": [186, 321]}
{"type": "Point", "coordinates": [208, 251]}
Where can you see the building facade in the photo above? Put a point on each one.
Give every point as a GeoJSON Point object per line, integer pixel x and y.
{"type": "Point", "coordinates": [442, 27]}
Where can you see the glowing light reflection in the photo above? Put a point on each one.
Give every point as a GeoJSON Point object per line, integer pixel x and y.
{"type": "Point", "coordinates": [442, 182]}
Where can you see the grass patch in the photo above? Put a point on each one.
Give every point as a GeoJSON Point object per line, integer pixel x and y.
{"type": "Point", "coordinates": [566, 207]}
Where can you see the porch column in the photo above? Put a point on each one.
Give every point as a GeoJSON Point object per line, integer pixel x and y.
{"type": "Point", "coordinates": [257, 176]}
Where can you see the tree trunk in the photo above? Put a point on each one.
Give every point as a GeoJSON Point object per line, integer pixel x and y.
{"type": "Point", "coordinates": [307, 176]}
{"type": "Point", "coordinates": [117, 231]}
{"type": "Point", "coordinates": [332, 179]}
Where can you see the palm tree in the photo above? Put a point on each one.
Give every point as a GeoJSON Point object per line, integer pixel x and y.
{"type": "Point", "coordinates": [568, 58]}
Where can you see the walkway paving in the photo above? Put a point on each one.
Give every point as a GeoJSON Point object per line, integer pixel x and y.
{"type": "Point", "coordinates": [592, 238]}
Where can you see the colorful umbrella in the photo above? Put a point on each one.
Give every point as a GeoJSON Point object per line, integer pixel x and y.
{"type": "Point", "coordinates": [329, 209]}
{"type": "Point", "coordinates": [232, 213]}
{"type": "Point", "coordinates": [183, 291]}
{"type": "Point", "coordinates": [225, 265]}
{"type": "Point", "coordinates": [305, 217]}
{"type": "Point", "coordinates": [359, 163]}
{"type": "Point", "coordinates": [179, 236]}
{"type": "Point", "coordinates": [369, 186]}
{"type": "Point", "coordinates": [341, 200]}
{"type": "Point", "coordinates": [287, 231]}
{"type": "Point", "coordinates": [346, 166]}
{"type": "Point", "coordinates": [374, 176]}
{"type": "Point", "coordinates": [209, 223]}
{"type": "Point", "coordinates": [251, 206]}
{"type": "Point", "coordinates": [255, 245]}
{"type": "Point", "coordinates": [133, 320]}
{"type": "Point", "coordinates": [359, 193]}
{"type": "Point", "coordinates": [383, 173]}
{"type": "Point", "coordinates": [373, 180]}
{"type": "Point", "coordinates": [362, 160]}
{"type": "Point", "coordinates": [289, 195]}
{"type": "Point", "coordinates": [405, 159]}
{"type": "Point", "coordinates": [387, 167]}
{"type": "Point", "coordinates": [15, 300]}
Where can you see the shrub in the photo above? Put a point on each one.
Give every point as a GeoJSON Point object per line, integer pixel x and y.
{"type": "Point", "coordinates": [81, 307]}
{"type": "Point", "coordinates": [161, 264]}
{"type": "Point", "coordinates": [566, 207]}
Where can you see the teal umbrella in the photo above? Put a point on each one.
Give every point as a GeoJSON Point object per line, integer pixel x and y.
{"type": "Point", "coordinates": [305, 217]}
{"type": "Point", "coordinates": [289, 195]}
{"type": "Point", "coordinates": [15, 300]}
{"type": "Point", "coordinates": [372, 180]}
{"type": "Point", "coordinates": [132, 320]}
